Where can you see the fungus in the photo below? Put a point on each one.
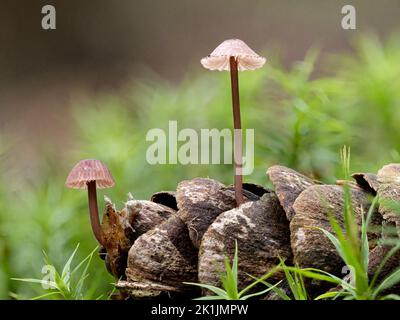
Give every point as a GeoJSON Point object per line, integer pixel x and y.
{"type": "Point", "coordinates": [234, 55]}
{"type": "Point", "coordinates": [91, 174]}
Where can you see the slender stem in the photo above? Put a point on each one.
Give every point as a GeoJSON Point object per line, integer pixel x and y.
{"type": "Point", "coordinates": [237, 132]}
{"type": "Point", "coordinates": [94, 212]}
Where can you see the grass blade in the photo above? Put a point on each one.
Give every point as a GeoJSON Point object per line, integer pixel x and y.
{"type": "Point", "coordinates": [388, 282]}
{"type": "Point", "coordinates": [216, 290]}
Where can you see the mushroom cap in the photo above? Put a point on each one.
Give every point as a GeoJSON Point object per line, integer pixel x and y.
{"type": "Point", "coordinates": [246, 58]}
{"type": "Point", "coordinates": [89, 170]}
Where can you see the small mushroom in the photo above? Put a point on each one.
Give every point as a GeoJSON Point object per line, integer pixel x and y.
{"type": "Point", "coordinates": [91, 174]}
{"type": "Point", "coordinates": [234, 55]}
{"type": "Point", "coordinates": [288, 184]}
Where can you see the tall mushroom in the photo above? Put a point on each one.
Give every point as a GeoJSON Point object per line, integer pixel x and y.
{"type": "Point", "coordinates": [91, 174]}
{"type": "Point", "coordinates": [234, 55]}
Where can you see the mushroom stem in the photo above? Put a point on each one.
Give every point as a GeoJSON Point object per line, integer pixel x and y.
{"type": "Point", "coordinates": [237, 132]}
{"type": "Point", "coordinates": [94, 212]}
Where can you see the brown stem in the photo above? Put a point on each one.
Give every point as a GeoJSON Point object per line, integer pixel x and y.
{"type": "Point", "coordinates": [94, 212]}
{"type": "Point", "coordinates": [237, 132]}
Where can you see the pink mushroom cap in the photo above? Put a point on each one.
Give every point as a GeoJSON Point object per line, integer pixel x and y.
{"type": "Point", "coordinates": [246, 58]}
{"type": "Point", "coordinates": [89, 170]}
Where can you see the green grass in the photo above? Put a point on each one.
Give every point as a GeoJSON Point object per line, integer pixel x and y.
{"type": "Point", "coordinates": [67, 284]}
{"type": "Point", "coordinates": [301, 117]}
{"type": "Point", "coordinates": [296, 284]}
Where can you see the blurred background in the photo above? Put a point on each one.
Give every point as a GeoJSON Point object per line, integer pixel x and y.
{"type": "Point", "coordinates": [113, 70]}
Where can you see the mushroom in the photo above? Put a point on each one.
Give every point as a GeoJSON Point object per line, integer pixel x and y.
{"type": "Point", "coordinates": [91, 174]}
{"type": "Point", "coordinates": [234, 55]}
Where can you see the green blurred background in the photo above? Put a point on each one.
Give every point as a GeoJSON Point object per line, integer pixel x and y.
{"type": "Point", "coordinates": [113, 70]}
